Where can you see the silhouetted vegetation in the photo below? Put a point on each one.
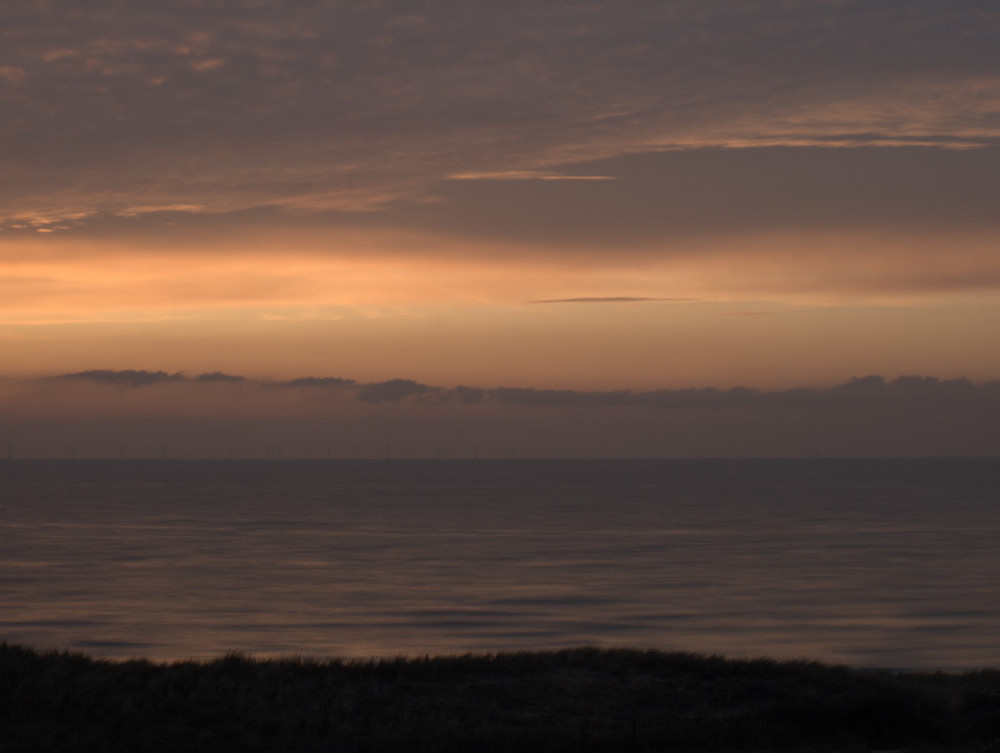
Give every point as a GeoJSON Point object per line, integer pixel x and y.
{"type": "Point", "coordinates": [574, 700]}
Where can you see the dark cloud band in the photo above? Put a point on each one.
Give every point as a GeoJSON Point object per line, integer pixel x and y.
{"type": "Point", "coordinates": [209, 107]}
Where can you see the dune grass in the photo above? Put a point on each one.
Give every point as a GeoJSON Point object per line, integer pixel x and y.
{"type": "Point", "coordinates": [575, 700]}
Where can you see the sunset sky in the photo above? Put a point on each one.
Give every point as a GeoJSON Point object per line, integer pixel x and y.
{"type": "Point", "coordinates": [582, 196]}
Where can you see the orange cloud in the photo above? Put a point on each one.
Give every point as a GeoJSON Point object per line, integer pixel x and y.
{"type": "Point", "coordinates": [77, 280]}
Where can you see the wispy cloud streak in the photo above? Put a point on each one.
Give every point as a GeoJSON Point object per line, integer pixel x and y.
{"type": "Point", "coordinates": [610, 299]}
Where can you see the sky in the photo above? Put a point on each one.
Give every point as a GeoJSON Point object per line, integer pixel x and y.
{"type": "Point", "coordinates": [556, 197]}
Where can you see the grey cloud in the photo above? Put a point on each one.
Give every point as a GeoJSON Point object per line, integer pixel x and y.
{"type": "Point", "coordinates": [353, 105]}
{"type": "Point", "coordinates": [321, 382]}
{"type": "Point", "coordinates": [218, 376]}
{"type": "Point", "coordinates": [126, 377]}
{"type": "Point", "coordinates": [142, 378]}
{"type": "Point", "coordinates": [393, 390]}
{"type": "Point", "coordinates": [572, 398]}
{"type": "Point", "coordinates": [907, 387]}
{"type": "Point", "coordinates": [703, 397]}
{"type": "Point", "coordinates": [856, 391]}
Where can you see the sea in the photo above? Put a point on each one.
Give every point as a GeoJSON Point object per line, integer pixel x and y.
{"type": "Point", "coordinates": [888, 563]}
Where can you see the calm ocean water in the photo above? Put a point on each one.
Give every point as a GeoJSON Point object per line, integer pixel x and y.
{"type": "Point", "coordinates": [889, 563]}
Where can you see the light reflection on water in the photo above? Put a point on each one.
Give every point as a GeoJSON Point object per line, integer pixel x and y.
{"type": "Point", "coordinates": [866, 562]}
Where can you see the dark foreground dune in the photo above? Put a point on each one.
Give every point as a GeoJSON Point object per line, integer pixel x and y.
{"type": "Point", "coordinates": [575, 700]}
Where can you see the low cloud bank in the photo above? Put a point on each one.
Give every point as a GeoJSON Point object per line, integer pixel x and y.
{"type": "Point", "coordinates": [126, 377]}
{"type": "Point", "coordinates": [864, 390]}
{"type": "Point", "coordinates": [218, 376]}
{"type": "Point", "coordinates": [135, 413]}
{"type": "Point", "coordinates": [324, 382]}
